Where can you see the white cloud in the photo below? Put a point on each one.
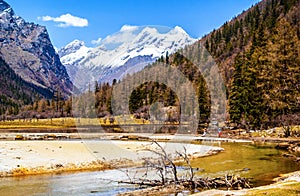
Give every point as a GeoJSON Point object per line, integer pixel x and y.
{"type": "Point", "coordinates": [67, 20]}
{"type": "Point", "coordinates": [129, 28]}
{"type": "Point", "coordinates": [126, 34]}
{"type": "Point", "coordinates": [97, 41]}
{"type": "Point", "coordinates": [112, 41]}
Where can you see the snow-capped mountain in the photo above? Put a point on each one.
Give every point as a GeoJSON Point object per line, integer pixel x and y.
{"type": "Point", "coordinates": [127, 51]}
{"type": "Point", "coordinates": [74, 52]}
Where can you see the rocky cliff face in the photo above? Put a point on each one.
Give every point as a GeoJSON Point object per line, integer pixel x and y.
{"type": "Point", "coordinates": [27, 49]}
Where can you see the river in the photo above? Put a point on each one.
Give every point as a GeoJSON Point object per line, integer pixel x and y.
{"type": "Point", "coordinates": [260, 162]}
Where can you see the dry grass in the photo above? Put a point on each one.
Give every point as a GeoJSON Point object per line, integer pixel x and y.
{"type": "Point", "coordinates": [287, 188]}
{"type": "Point", "coordinates": [38, 123]}
{"type": "Point", "coordinates": [55, 123]}
{"type": "Point", "coordinates": [69, 122]}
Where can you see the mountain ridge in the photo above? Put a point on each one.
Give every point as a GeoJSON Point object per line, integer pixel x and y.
{"type": "Point", "coordinates": [110, 56]}
{"type": "Point", "coordinates": [27, 49]}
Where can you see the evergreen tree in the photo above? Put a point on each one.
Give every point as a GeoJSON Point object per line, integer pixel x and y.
{"type": "Point", "coordinates": [237, 96]}
{"type": "Point", "coordinates": [245, 100]}
{"type": "Point", "coordinates": [203, 101]}
{"type": "Point", "coordinates": [283, 57]}
{"type": "Point", "coordinates": [167, 57]}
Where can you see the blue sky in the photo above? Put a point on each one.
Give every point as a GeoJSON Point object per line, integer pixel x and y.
{"type": "Point", "coordinates": [92, 19]}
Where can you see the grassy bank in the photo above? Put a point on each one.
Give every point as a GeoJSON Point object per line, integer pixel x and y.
{"type": "Point", "coordinates": [39, 123]}
{"type": "Point", "coordinates": [284, 188]}
{"type": "Point", "coordinates": [69, 122]}
{"type": "Point", "coordinates": [288, 184]}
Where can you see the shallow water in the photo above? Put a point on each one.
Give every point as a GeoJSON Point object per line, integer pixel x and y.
{"type": "Point", "coordinates": [83, 183]}
{"type": "Point", "coordinates": [261, 162]}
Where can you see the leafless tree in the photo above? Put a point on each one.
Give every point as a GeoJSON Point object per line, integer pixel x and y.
{"type": "Point", "coordinates": [186, 159]}
{"type": "Point", "coordinates": [163, 163]}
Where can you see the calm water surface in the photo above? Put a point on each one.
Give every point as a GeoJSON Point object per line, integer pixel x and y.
{"type": "Point", "coordinates": [262, 162]}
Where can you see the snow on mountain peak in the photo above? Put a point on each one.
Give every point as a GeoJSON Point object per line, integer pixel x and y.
{"type": "Point", "coordinates": [178, 29]}
{"type": "Point", "coordinates": [150, 30]}
{"type": "Point", "coordinates": [113, 52]}
{"type": "Point", "coordinates": [73, 52]}
{"type": "Point", "coordinates": [76, 44]}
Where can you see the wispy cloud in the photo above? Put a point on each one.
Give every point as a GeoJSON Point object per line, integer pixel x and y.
{"type": "Point", "coordinates": [128, 28]}
{"type": "Point", "coordinates": [67, 20]}
{"type": "Point", "coordinates": [97, 41]}
{"type": "Point", "coordinates": [126, 34]}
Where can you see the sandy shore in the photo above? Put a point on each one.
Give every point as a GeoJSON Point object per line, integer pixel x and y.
{"type": "Point", "coordinates": [35, 157]}
{"type": "Point", "coordinates": [30, 157]}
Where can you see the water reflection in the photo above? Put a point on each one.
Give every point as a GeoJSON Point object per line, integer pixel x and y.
{"type": "Point", "coordinates": [261, 162]}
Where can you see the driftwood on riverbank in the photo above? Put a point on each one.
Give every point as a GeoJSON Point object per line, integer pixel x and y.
{"type": "Point", "coordinates": [198, 184]}
{"type": "Point", "coordinates": [228, 182]}
{"type": "Point", "coordinates": [164, 166]}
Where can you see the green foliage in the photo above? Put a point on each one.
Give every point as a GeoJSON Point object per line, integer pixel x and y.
{"type": "Point", "coordinates": [265, 81]}
{"type": "Point", "coordinates": [237, 35]}
{"type": "Point", "coordinates": [148, 93]}
{"type": "Point", "coordinates": [151, 92]}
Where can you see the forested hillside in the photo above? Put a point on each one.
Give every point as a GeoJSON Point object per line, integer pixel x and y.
{"type": "Point", "coordinates": [149, 93]}
{"type": "Point", "coordinates": [259, 55]}
{"type": "Point", "coordinates": [15, 92]}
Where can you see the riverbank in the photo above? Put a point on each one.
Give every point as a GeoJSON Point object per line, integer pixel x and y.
{"type": "Point", "coordinates": [120, 149]}
{"type": "Point", "coordinates": [58, 152]}
{"type": "Point", "coordinates": [286, 184]}
{"type": "Point", "coordinates": [99, 135]}
{"type": "Point", "coordinates": [242, 159]}
{"type": "Point", "coordinates": [291, 143]}
{"type": "Point", "coordinates": [19, 158]}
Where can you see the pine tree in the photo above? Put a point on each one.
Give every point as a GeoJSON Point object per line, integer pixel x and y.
{"type": "Point", "coordinates": [283, 56]}
{"type": "Point", "coordinates": [245, 99]}
{"type": "Point", "coordinates": [237, 96]}
{"type": "Point", "coordinates": [167, 57]}
{"type": "Point", "coordinates": [203, 101]}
